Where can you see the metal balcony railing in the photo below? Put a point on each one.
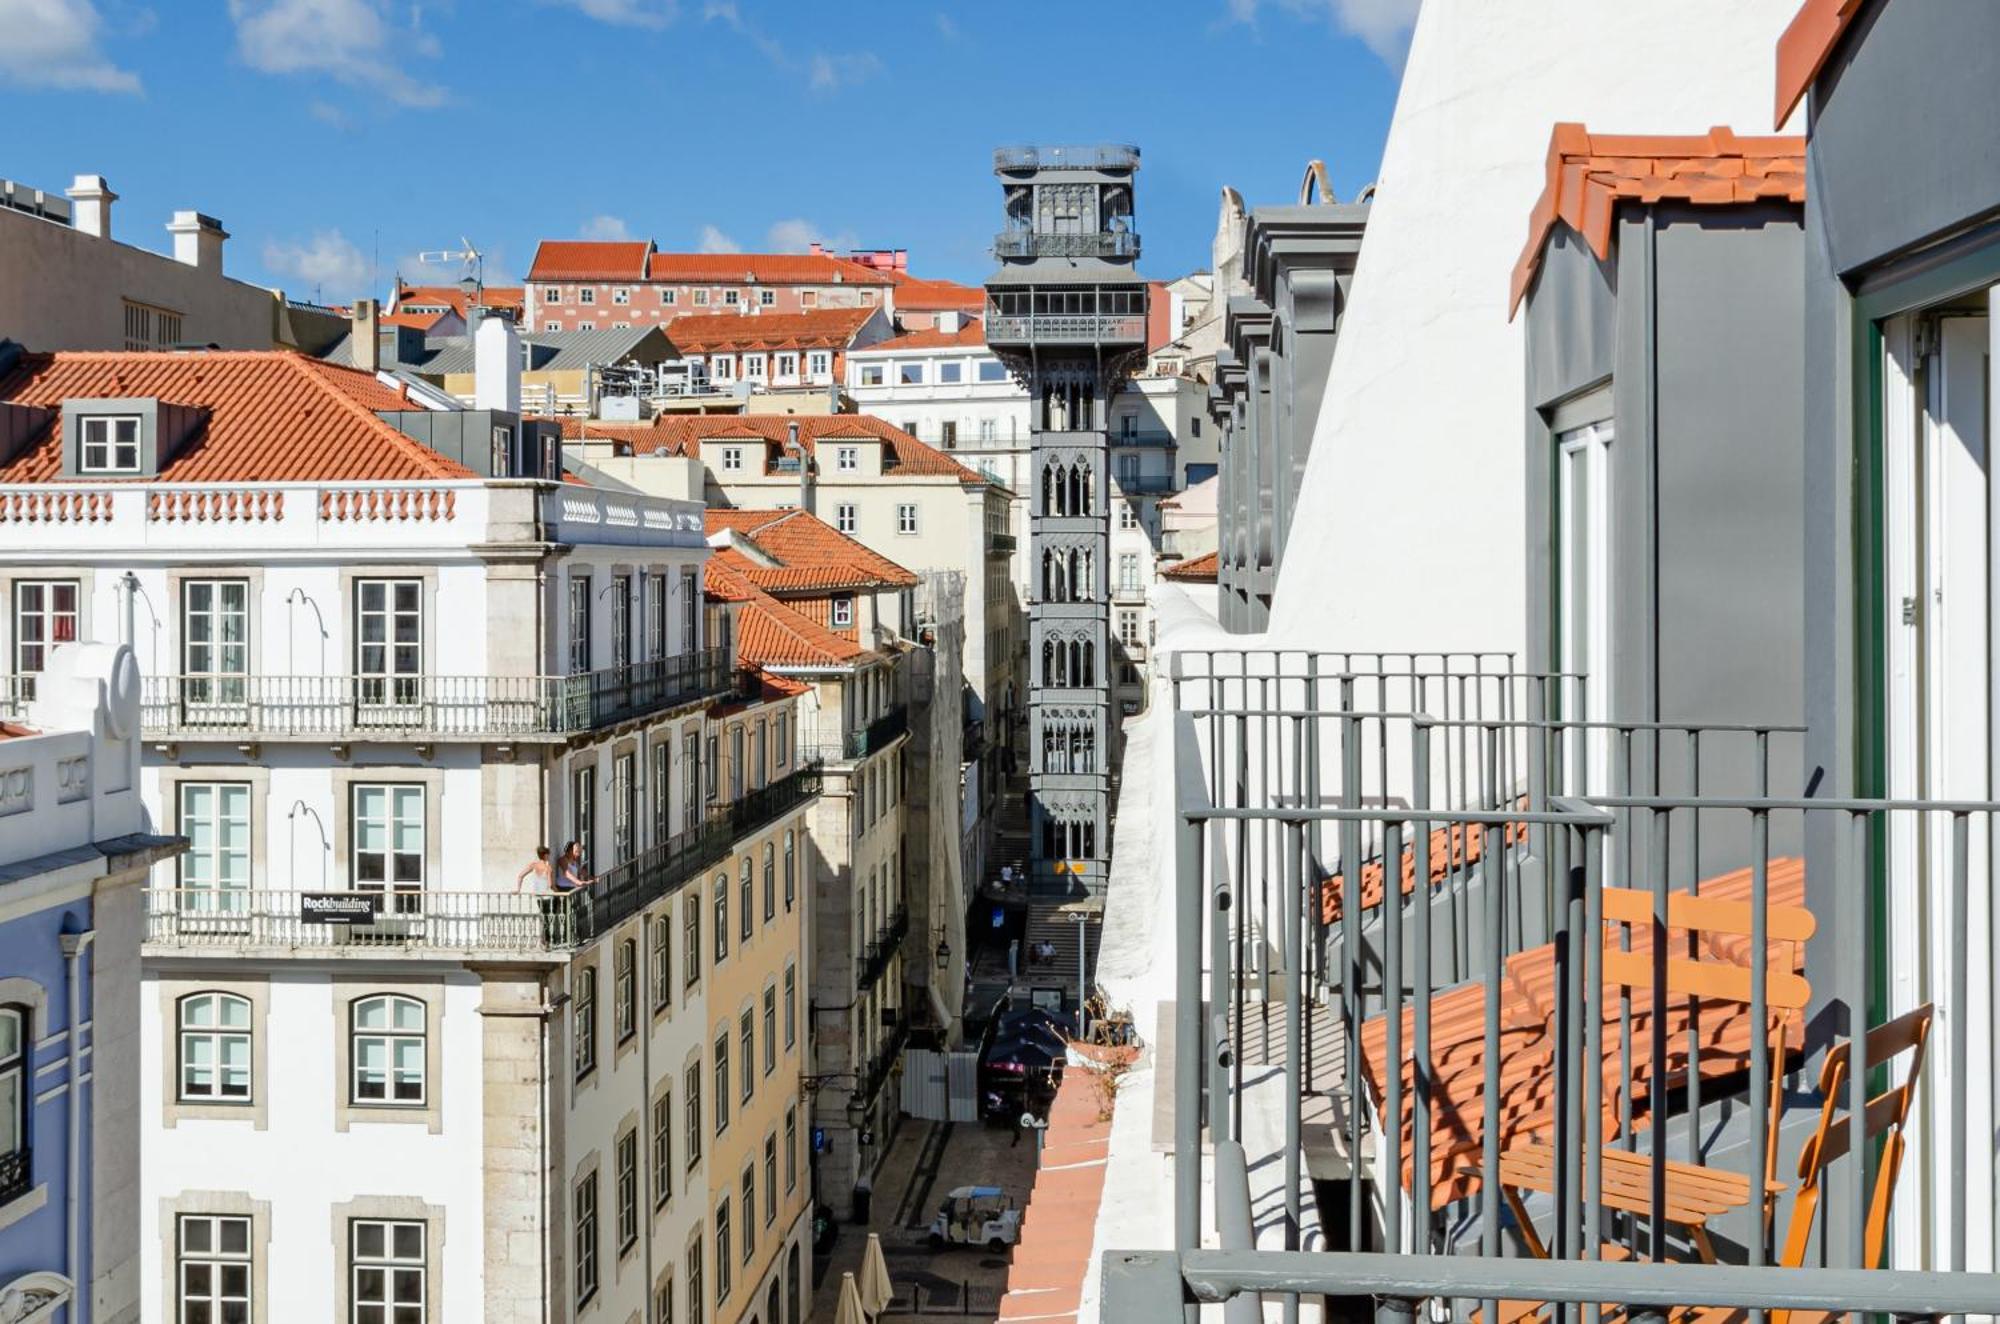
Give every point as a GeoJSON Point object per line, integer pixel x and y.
{"type": "Point", "coordinates": [1000, 543]}
{"type": "Point", "coordinates": [876, 1071]}
{"type": "Point", "coordinates": [1099, 156]}
{"type": "Point", "coordinates": [873, 961]}
{"type": "Point", "coordinates": [419, 922]}
{"type": "Point", "coordinates": [1144, 484]}
{"type": "Point", "coordinates": [17, 1174]}
{"type": "Point", "coordinates": [846, 746]}
{"type": "Point", "coordinates": [1154, 437]}
{"type": "Point", "coordinates": [1064, 329]}
{"type": "Point", "coordinates": [1034, 243]}
{"type": "Point", "coordinates": [759, 807]}
{"type": "Point", "coordinates": [1555, 1035]}
{"type": "Point", "coordinates": [410, 707]}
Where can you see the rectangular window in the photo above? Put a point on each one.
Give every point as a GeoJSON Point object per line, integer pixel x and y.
{"type": "Point", "coordinates": [690, 780]}
{"type": "Point", "coordinates": [808, 298]}
{"type": "Point", "coordinates": [791, 1150]}
{"type": "Point", "coordinates": [667, 298]}
{"type": "Point", "coordinates": [586, 1239]}
{"type": "Point", "coordinates": [701, 298]}
{"type": "Point", "coordinates": [388, 639]}
{"type": "Point", "coordinates": [663, 788]}
{"type": "Point", "coordinates": [736, 768]}
{"type": "Point", "coordinates": [749, 1206]}
{"type": "Point", "coordinates": [387, 852]}
{"type": "Point", "coordinates": [1128, 515]}
{"type": "Point", "coordinates": [992, 370]}
{"type": "Point", "coordinates": [621, 620]}
{"type": "Point", "coordinates": [214, 1268]}
{"type": "Point", "coordinates": [951, 372]}
{"type": "Point", "coordinates": [690, 613]}
{"type": "Point", "coordinates": [948, 434]}
{"type": "Point", "coordinates": [655, 610]}
{"type": "Point", "coordinates": [215, 818]}
{"type": "Point", "coordinates": [215, 1048]}
{"type": "Point", "coordinates": [583, 1021]}
{"type": "Point", "coordinates": [747, 1033]}
{"type": "Point", "coordinates": [906, 517]}
{"type": "Point", "coordinates": [1128, 572]}
{"type": "Point", "coordinates": [770, 1030]}
{"type": "Point", "coordinates": [110, 445]}
{"type": "Point", "coordinates": [843, 517]}
{"type": "Point", "coordinates": [847, 459]}
{"type": "Point", "coordinates": [819, 363]}
{"type": "Point", "coordinates": [770, 882]}
{"type": "Point", "coordinates": [722, 1082]}
{"type": "Point", "coordinates": [791, 871]}
{"type": "Point", "coordinates": [770, 1180]}
{"type": "Point", "coordinates": [625, 990]}
{"type": "Point", "coordinates": [691, 1087]}
{"type": "Point", "coordinates": [712, 770]}
{"type": "Point", "coordinates": [624, 807]}
{"type": "Point", "coordinates": [732, 458]}
{"type": "Point", "coordinates": [585, 294]}
{"type": "Point", "coordinates": [843, 613]}
{"type": "Point", "coordinates": [719, 938]}
{"type": "Point", "coordinates": [628, 1191]}
{"type": "Point", "coordinates": [732, 298]}
{"type": "Point", "coordinates": [691, 939]}
{"type": "Point", "coordinates": [694, 1301]}
{"type": "Point", "coordinates": [583, 807]}
{"type": "Point", "coordinates": [745, 896]}
{"type": "Point", "coordinates": [388, 1276]}
{"type": "Point", "coordinates": [753, 367]}
{"type": "Point", "coordinates": [791, 1005]}
{"type": "Point", "coordinates": [788, 366]}
{"type": "Point", "coordinates": [872, 374]}
{"type": "Point", "coordinates": [387, 1051]}
{"type": "Point", "coordinates": [552, 294]}
{"type": "Point", "coordinates": [579, 622]}
{"type": "Point", "coordinates": [910, 374]}
{"type": "Point", "coordinates": [723, 1267]}
{"type": "Point", "coordinates": [766, 298]}
{"type": "Point", "coordinates": [663, 1148]}
{"type": "Point", "coordinates": [781, 752]}
{"type": "Point", "coordinates": [663, 960]}
{"type": "Point", "coordinates": [551, 325]}
{"type": "Point", "coordinates": [989, 429]}
{"type": "Point", "coordinates": [621, 296]}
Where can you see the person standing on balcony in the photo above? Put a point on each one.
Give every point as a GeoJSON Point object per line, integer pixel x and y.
{"type": "Point", "coordinates": [539, 867]}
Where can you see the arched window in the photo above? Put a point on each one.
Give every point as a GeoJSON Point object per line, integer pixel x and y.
{"type": "Point", "coordinates": [214, 1032]}
{"type": "Point", "coordinates": [388, 1050]}
{"type": "Point", "coordinates": [15, 1178]}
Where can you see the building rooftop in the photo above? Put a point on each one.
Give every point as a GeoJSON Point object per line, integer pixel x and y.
{"type": "Point", "coordinates": [822, 328]}
{"type": "Point", "coordinates": [763, 268]}
{"type": "Point", "coordinates": [903, 454]}
{"type": "Point", "coordinates": [917, 295]}
{"type": "Point", "coordinates": [263, 416]}
{"type": "Point", "coordinates": [453, 298]}
{"type": "Point", "coordinates": [583, 259]}
{"type": "Point", "coordinates": [1805, 47]}
{"type": "Point", "coordinates": [809, 551]}
{"type": "Point", "coordinates": [1199, 570]}
{"type": "Point", "coordinates": [970, 335]}
{"type": "Point", "coordinates": [1589, 174]}
{"type": "Point", "coordinates": [771, 634]}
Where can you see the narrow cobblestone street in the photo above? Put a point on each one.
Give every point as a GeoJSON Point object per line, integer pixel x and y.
{"type": "Point", "coordinates": [925, 1162]}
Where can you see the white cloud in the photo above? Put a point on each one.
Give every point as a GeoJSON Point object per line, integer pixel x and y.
{"type": "Point", "coordinates": [946, 28]}
{"type": "Point", "coordinates": [715, 241]}
{"type": "Point", "coordinates": [830, 72]}
{"type": "Point", "coordinates": [53, 44]}
{"type": "Point", "coordinates": [350, 41]}
{"type": "Point", "coordinates": [1383, 26]}
{"type": "Point", "coordinates": [333, 266]}
{"type": "Point", "coordinates": [628, 13]}
{"type": "Point", "coordinates": [327, 113]}
{"type": "Point", "coordinates": [605, 229]}
{"type": "Point", "coordinates": [796, 235]}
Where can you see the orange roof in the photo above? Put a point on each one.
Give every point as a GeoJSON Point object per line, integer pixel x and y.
{"type": "Point", "coordinates": [919, 295]}
{"type": "Point", "coordinates": [770, 633]}
{"type": "Point", "coordinates": [416, 321]}
{"type": "Point", "coordinates": [811, 553]}
{"type": "Point", "coordinates": [970, 335]}
{"type": "Point", "coordinates": [1589, 174]}
{"type": "Point", "coordinates": [1805, 47]}
{"type": "Point", "coordinates": [1201, 570]}
{"type": "Point", "coordinates": [762, 268]}
{"type": "Point", "coordinates": [453, 298]}
{"type": "Point", "coordinates": [271, 416]}
{"type": "Point", "coordinates": [682, 434]}
{"type": "Point", "coordinates": [585, 259]}
{"type": "Point", "coordinates": [823, 328]}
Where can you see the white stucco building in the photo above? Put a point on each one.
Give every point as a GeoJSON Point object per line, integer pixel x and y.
{"type": "Point", "coordinates": [389, 656]}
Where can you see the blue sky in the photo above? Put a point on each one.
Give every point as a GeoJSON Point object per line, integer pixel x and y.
{"type": "Point", "coordinates": [335, 138]}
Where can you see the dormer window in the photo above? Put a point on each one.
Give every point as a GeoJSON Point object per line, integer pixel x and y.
{"type": "Point", "coordinates": [843, 613]}
{"type": "Point", "coordinates": [732, 457]}
{"type": "Point", "coordinates": [847, 459]}
{"type": "Point", "coordinates": [110, 444]}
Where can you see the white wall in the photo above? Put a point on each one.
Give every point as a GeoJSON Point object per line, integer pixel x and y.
{"type": "Point", "coordinates": [1422, 422]}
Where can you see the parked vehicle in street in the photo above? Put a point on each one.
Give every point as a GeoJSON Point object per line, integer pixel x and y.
{"type": "Point", "coordinates": [976, 1216]}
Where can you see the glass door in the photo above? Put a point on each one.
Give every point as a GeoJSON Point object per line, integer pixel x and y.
{"type": "Point", "coordinates": [1583, 483]}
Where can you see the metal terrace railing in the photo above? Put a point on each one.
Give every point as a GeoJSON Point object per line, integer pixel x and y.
{"type": "Point", "coordinates": [1035, 243]}
{"type": "Point", "coordinates": [1522, 982]}
{"type": "Point", "coordinates": [363, 922]}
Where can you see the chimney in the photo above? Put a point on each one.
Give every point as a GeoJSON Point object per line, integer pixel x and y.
{"type": "Point", "coordinates": [817, 249]}
{"type": "Point", "coordinates": [496, 365]}
{"type": "Point", "coordinates": [797, 451]}
{"type": "Point", "coordinates": [197, 240]}
{"type": "Point", "coordinates": [93, 198]}
{"type": "Point", "coordinates": [364, 341]}
{"type": "Point", "coordinates": [947, 321]}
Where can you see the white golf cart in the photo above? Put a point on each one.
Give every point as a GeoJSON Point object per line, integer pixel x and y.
{"type": "Point", "coordinates": [975, 1216]}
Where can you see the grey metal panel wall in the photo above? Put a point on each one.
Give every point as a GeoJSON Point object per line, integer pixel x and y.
{"type": "Point", "coordinates": [1903, 140]}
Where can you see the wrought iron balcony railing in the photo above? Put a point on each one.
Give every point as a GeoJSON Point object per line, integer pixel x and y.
{"type": "Point", "coordinates": [1153, 437]}
{"type": "Point", "coordinates": [846, 746]}
{"type": "Point", "coordinates": [874, 959]}
{"type": "Point", "coordinates": [17, 1174]}
{"type": "Point", "coordinates": [1099, 156]}
{"type": "Point", "coordinates": [1065, 329]}
{"type": "Point", "coordinates": [1035, 243]}
{"type": "Point", "coordinates": [417, 922]}
{"type": "Point", "coordinates": [1000, 544]}
{"type": "Point", "coordinates": [410, 707]}
{"type": "Point", "coordinates": [1557, 1032]}
{"type": "Point", "coordinates": [1145, 484]}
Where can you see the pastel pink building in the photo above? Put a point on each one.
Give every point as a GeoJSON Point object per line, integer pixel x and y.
{"type": "Point", "coordinates": [580, 285]}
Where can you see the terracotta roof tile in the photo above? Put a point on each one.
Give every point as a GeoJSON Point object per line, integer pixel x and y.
{"type": "Point", "coordinates": [271, 416]}
{"type": "Point", "coordinates": [1589, 174]}
{"type": "Point", "coordinates": [769, 633]}
{"type": "Point", "coordinates": [1202, 569]}
{"type": "Point", "coordinates": [915, 294]}
{"type": "Point", "coordinates": [582, 259]}
{"type": "Point", "coordinates": [762, 268]}
{"type": "Point", "coordinates": [453, 298]}
{"type": "Point", "coordinates": [801, 543]}
{"type": "Point", "coordinates": [822, 328]}
{"type": "Point", "coordinates": [682, 434]}
{"type": "Point", "coordinates": [972, 335]}
{"type": "Point", "coordinates": [1804, 48]}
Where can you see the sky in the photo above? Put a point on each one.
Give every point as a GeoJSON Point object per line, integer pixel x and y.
{"type": "Point", "coordinates": [338, 140]}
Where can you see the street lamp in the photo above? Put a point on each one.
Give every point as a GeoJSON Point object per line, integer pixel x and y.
{"type": "Point", "coordinates": [943, 951]}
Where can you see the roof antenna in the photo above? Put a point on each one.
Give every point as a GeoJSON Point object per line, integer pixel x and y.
{"type": "Point", "coordinates": [471, 276]}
